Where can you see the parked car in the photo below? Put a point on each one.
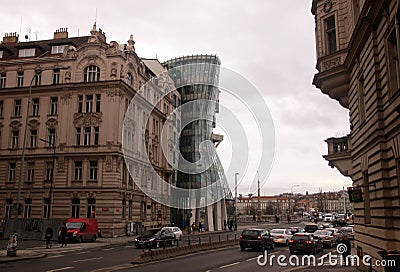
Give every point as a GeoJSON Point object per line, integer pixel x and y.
{"type": "Point", "coordinates": [177, 232]}
{"type": "Point", "coordinates": [155, 238]}
{"type": "Point", "coordinates": [294, 230]}
{"type": "Point", "coordinates": [348, 231]}
{"type": "Point", "coordinates": [326, 237]}
{"type": "Point", "coordinates": [311, 227]}
{"type": "Point", "coordinates": [256, 239]}
{"type": "Point", "coordinates": [337, 234]}
{"type": "Point", "coordinates": [81, 229]}
{"type": "Point", "coordinates": [305, 242]}
{"type": "Point", "coordinates": [281, 236]}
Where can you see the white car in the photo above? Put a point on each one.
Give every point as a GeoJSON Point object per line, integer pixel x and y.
{"type": "Point", "coordinates": [177, 232]}
{"type": "Point", "coordinates": [281, 236]}
{"type": "Point", "coordinates": [328, 217]}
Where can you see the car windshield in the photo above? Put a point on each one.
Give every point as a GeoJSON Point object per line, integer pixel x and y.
{"type": "Point", "coordinates": [250, 233]}
{"type": "Point", "coordinates": [322, 232]}
{"type": "Point", "coordinates": [74, 225]}
{"type": "Point", "coordinates": [278, 231]}
{"type": "Point", "coordinates": [300, 237]}
{"type": "Point", "coordinates": [347, 229]}
{"type": "Point", "coordinates": [150, 232]}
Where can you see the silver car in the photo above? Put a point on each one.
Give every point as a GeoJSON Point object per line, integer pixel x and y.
{"type": "Point", "coordinates": [177, 232]}
{"type": "Point", "coordinates": [281, 236]}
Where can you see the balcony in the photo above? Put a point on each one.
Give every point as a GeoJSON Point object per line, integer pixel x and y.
{"type": "Point", "coordinates": [333, 78]}
{"type": "Point", "coordinates": [339, 155]}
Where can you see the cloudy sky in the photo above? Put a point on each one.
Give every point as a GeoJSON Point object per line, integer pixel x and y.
{"type": "Point", "coordinates": [270, 43]}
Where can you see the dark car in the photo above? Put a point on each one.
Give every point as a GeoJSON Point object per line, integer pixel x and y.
{"type": "Point", "coordinates": [256, 239]}
{"type": "Point", "coordinates": [311, 227]}
{"type": "Point", "coordinates": [340, 220]}
{"type": "Point", "coordinates": [305, 242]}
{"type": "Point", "coordinates": [155, 238]}
{"type": "Point", "coordinates": [326, 237]}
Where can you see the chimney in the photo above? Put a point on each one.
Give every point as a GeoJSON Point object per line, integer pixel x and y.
{"type": "Point", "coordinates": [10, 37]}
{"type": "Point", "coordinates": [61, 33]}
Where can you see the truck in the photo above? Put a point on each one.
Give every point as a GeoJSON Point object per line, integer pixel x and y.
{"type": "Point", "coordinates": [82, 229]}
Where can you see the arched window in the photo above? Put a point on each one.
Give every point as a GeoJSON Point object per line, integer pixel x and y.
{"type": "Point", "coordinates": [91, 74]}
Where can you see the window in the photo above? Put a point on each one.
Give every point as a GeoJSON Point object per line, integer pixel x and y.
{"type": "Point", "coordinates": [57, 49]}
{"type": "Point", "coordinates": [128, 79]}
{"type": "Point", "coordinates": [361, 101]}
{"type": "Point", "coordinates": [30, 171]}
{"type": "Point", "coordinates": [91, 74]}
{"type": "Point", "coordinates": [393, 63]}
{"type": "Point", "coordinates": [1, 108]}
{"type": "Point", "coordinates": [11, 171]}
{"type": "Point", "coordinates": [1, 54]}
{"type": "Point", "coordinates": [35, 107]}
{"type": "Point", "coordinates": [53, 105]}
{"type": "Point", "coordinates": [52, 137]}
{"type": "Point", "coordinates": [331, 34]}
{"type": "Point", "coordinates": [28, 208]}
{"type": "Point", "coordinates": [96, 135]}
{"type": "Point", "coordinates": [38, 79]}
{"type": "Point", "coordinates": [78, 171]}
{"type": "Point", "coordinates": [123, 214]}
{"type": "Point", "coordinates": [91, 208]}
{"type": "Point", "coordinates": [49, 171]}
{"type": "Point", "coordinates": [89, 103]}
{"type": "Point", "coordinates": [23, 53]}
{"type": "Point", "coordinates": [76, 202]}
{"type": "Point", "coordinates": [92, 170]}
{"type": "Point", "coordinates": [9, 205]}
{"type": "Point", "coordinates": [80, 103]}
{"type": "Point", "coordinates": [2, 80]}
{"type": "Point", "coordinates": [33, 138]}
{"type": "Point", "coordinates": [98, 98]}
{"type": "Point", "coordinates": [367, 204]}
{"type": "Point", "coordinates": [17, 107]}
{"type": "Point", "coordinates": [143, 210]}
{"type": "Point", "coordinates": [46, 207]}
{"type": "Point", "coordinates": [78, 136]}
{"type": "Point", "coordinates": [20, 79]}
{"type": "Point", "coordinates": [86, 136]}
{"type": "Point", "coordinates": [56, 76]}
{"type": "Point", "coordinates": [14, 138]}
{"type": "Point", "coordinates": [130, 209]}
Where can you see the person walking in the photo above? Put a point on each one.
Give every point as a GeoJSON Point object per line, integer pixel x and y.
{"type": "Point", "coordinates": [193, 227]}
{"type": "Point", "coordinates": [49, 236]}
{"type": "Point", "coordinates": [62, 235]}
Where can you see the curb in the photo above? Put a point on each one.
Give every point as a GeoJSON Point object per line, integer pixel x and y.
{"type": "Point", "coordinates": [13, 259]}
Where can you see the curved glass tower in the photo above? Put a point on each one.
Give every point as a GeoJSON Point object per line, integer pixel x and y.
{"type": "Point", "coordinates": [197, 78]}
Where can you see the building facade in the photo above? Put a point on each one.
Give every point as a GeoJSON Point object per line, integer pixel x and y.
{"type": "Point", "coordinates": [196, 78]}
{"type": "Point", "coordinates": [357, 46]}
{"type": "Point", "coordinates": [78, 106]}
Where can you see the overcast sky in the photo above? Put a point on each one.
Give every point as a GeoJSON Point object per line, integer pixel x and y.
{"type": "Point", "coordinates": [271, 43]}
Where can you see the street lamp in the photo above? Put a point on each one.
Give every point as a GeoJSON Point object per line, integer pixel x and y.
{"type": "Point", "coordinates": [235, 216]}
{"type": "Point", "coordinates": [38, 72]}
{"type": "Point", "coordinates": [291, 193]}
{"type": "Point", "coordinates": [53, 145]}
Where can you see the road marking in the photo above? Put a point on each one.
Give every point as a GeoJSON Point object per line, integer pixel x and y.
{"type": "Point", "coordinates": [55, 256]}
{"type": "Point", "coordinates": [60, 269]}
{"type": "Point", "coordinates": [224, 266]}
{"type": "Point", "coordinates": [83, 252]}
{"type": "Point", "coordinates": [111, 248]}
{"type": "Point", "coordinates": [90, 259]}
{"type": "Point", "coordinates": [248, 260]}
{"type": "Point", "coordinates": [208, 270]}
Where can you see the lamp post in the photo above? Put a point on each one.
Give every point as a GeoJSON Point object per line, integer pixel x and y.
{"type": "Point", "coordinates": [235, 215]}
{"type": "Point", "coordinates": [38, 72]}
{"type": "Point", "coordinates": [53, 145]}
{"type": "Point", "coordinates": [259, 200]}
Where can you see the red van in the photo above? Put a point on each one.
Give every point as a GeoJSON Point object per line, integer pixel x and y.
{"type": "Point", "coordinates": [81, 229]}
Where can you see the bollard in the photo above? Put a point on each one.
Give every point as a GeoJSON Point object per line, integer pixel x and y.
{"type": "Point", "coordinates": [235, 236]}
{"type": "Point", "coordinates": [219, 238]}
{"type": "Point", "coordinates": [199, 240]}
{"type": "Point", "coordinates": [188, 241]}
{"type": "Point", "coordinates": [177, 243]}
{"type": "Point", "coordinates": [227, 237]}
{"type": "Point", "coordinates": [209, 239]}
{"type": "Point", "coordinates": [165, 241]}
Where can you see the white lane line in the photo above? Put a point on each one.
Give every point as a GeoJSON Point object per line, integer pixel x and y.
{"type": "Point", "coordinates": [111, 248]}
{"type": "Point", "coordinates": [83, 252]}
{"type": "Point", "coordinates": [55, 256]}
{"type": "Point", "coordinates": [90, 259]}
{"type": "Point", "coordinates": [248, 260]}
{"type": "Point", "coordinates": [225, 266]}
{"type": "Point", "coordinates": [60, 269]}
{"type": "Point", "coordinates": [208, 270]}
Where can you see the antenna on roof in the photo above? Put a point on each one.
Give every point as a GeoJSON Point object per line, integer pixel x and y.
{"type": "Point", "coordinates": [95, 19]}
{"type": "Point", "coordinates": [36, 34]}
{"type": "Point", "coordinates": [20, 27]}
{"type": "Point", "coordinates": [28, 36]}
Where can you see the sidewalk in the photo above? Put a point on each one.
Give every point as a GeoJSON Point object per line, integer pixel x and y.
{"type": "Point", "coordinates": [22, 254]}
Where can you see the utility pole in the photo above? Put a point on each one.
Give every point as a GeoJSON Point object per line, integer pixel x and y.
{"type": "Point", "coordinates": [259, 203]}
{"type": "Point", "coordinates": [344, 201]}
{"type": "Point", "coordinates": [235, 216]}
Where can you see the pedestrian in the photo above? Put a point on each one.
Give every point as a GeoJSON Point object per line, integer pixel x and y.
{"type": "Point", "coordinates": [49, 236]}
{"type": "Point", "coordinates": [347, 250]}
{"type": "Point", "coordinates": [224, 224]}
{"type": "Point", "coordinates": [62, 234]}
{"type": "Point", "coordinates": [193, 227]}
{"type": "Point", "coordinates": [288, 218]}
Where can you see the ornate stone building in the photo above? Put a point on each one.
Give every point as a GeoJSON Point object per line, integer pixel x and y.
{"type": "Point", "coordinates": [358, 65]}
{"type": "Point", "coordinates": [79, 103]}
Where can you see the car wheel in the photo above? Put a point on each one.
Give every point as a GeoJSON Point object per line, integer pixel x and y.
{"type": "Point", "coordinates": [242, 248]}
{"type": "Point", "coordinates": [291, 251]}
{"type": "Point", "coordinates": [80, 240]}
{"type": "Point", "coordinates": [287, 243]}
{"type": "Point", "coordinates": [94, 238]}
{"type": "Point", "coordinates": [272, 246]}
{"type": "Point", "coordinates": [315, 250]}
